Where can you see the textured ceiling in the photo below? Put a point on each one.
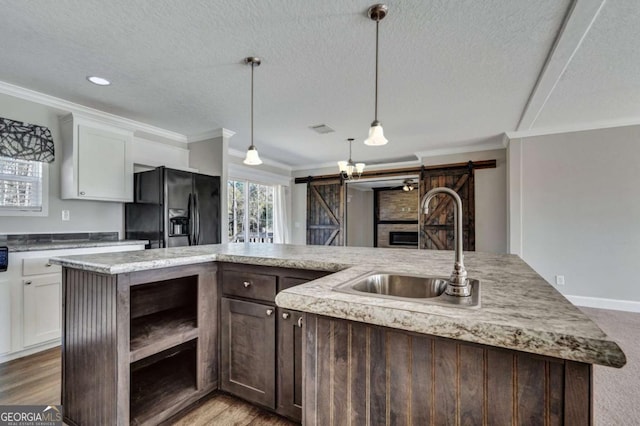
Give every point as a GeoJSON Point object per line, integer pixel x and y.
{"type": "Point", "coordinates": [452, 73]}
{"type": "Point", "coordinates": [602, 81]}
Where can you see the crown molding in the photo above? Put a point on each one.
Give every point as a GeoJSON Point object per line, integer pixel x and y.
{"type": "Point", "coordinates": [487, 146]}
{"type": "Point", "coordinates": [267, 161]}
{"type": "Point", "coordinates": [211, 134]}
{"type": "Point", "coordinates": [581, 127]}
{"type": "Point", "coordinates": [71, 107]}
{"type": "Point", "coordinates": [250, 173]}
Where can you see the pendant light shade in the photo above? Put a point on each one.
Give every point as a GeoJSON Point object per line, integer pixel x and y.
{"type": "Point", "coordinates": [376, 137]}
{"type": "Point", "coordinates": [252, 158]}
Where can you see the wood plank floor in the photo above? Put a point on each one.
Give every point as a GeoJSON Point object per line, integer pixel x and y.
{"type": "Point", "coordinates": [36, 380]}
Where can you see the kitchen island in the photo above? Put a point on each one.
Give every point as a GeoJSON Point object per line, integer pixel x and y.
{"type": "Point", "coordinates": [524, 355]}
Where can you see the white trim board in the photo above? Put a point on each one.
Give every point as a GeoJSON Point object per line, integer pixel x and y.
{"type": "Point", "coordinates": [601, 303]}
{"type": "Point", "coordinates": [67, 106]}
{"type": "Point", "coordinates": [240, 172]}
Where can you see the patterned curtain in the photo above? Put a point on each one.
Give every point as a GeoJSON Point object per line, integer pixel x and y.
{"type": "Point", "coordinates": [25, 141]}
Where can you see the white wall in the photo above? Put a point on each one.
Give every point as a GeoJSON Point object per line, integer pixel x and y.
{"type": "Point", "coordinates": [581, 210]}
{"type": "Point", "coordinates": [490, 198]}
{"type": "Point", "coordinates": [85, 216]}
{"type": "Point", "coordinates": [359, 217]}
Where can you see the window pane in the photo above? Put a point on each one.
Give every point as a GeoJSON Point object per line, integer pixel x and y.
{"type": "Point", "coordinates": [259, 212]}
{"type": "Point", "coordinates": [235, 194]}
{"type": "Point", "coordinates": [20, 184]}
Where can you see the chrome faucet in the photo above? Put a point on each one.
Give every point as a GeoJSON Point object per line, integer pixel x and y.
{"type": "Point", "coordinates": [458, 284]}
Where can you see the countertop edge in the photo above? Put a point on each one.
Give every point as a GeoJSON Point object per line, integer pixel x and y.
{"type": "Point", "coordinates": [65, 245]}
{"type": "Point", "coordinates": [555, 344]}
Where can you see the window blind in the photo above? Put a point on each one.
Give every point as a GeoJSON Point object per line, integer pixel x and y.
{"type": "Point", "coordinates": [20, 184]}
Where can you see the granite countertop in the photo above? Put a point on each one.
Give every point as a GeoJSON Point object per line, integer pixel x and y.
{"type": "Point", "coordinates": [68, 244]}
{"type": "Point", "coordinates": [519, 309]}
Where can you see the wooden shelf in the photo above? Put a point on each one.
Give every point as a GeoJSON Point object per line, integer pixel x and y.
{"type": "Point", "coordinates": [162, 330]}
{"type": "Point", "coordinates": [158, 388]}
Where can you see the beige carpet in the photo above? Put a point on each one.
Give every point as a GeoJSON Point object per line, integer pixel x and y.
{"type": "Point", "coordinates": [617, 390]}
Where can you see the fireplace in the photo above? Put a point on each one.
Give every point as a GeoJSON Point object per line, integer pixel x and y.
{"type": "Point", "coordinates": [403, 238]}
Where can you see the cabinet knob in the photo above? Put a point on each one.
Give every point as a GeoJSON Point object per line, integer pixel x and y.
{"type": "Point", "coordinates": [247, 284]}
{"type": "Point", "coordinates": [285, 315]}
{"type": "Point", "coordinates": [28, 282]}
{"type": "Point", "coordinates": [81, 192]}
{"type": "Point", "coordinates": [48, 265]}
{"type": "Point", "coordinates": [269, 312]}
{"type": "Point", "coordinates": [300, 322]}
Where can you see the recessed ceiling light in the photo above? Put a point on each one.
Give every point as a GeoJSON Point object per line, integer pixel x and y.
{"type": "Point", "coordinates": [98, 80]}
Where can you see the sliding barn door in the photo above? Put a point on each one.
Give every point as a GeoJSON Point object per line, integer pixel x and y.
{"type": "Point", "coordinates": [325, 213]}
{"type": "Point", "coordinates": [436, 228]}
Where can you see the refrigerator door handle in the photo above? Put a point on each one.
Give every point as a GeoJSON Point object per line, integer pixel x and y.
{"type": "Point", "coordinates": [190, 220]}
{"type": "Point", "coordinates": [196, 209]}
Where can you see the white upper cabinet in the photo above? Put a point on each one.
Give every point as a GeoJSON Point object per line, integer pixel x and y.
{"type": "Point", "coordinates": [97, 161]}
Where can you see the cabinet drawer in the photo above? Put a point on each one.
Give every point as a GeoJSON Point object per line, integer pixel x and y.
{"type": "Point", "coordinates": [249, 285]}
{"type": "Point", "coordinates": [38, 266]}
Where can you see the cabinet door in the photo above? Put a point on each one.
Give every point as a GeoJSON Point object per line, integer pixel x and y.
{"type": "Point", "coordinates": [290, 363]}
{"type": "Point", "coordinates": [104, 168]}
{"type": "Point", "coordinates": [42, 308]}
{"type": "Point", "coordinates": [207, 208]}
{"type": "Point", "coordinates": [5, 316]}
{"type": "Point", "coordinates": [248, 353]}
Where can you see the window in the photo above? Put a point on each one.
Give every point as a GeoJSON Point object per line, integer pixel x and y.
{"type": "Point", "coordinates": [21, 185]}
{"type": "Point", "coordinates": [250, 212]}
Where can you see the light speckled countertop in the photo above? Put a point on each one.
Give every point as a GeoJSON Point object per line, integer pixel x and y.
{"type": "Point", "coordinates": [519, 310]}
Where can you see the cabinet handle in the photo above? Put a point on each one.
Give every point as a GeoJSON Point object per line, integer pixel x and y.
{"type": "Point", "coordinates": [269, 312]}
{"type": "Point", "coordinates": [300, 322]}
{"type": "Point", "coordinates": [28, 282]}
{"type": "Point", "coordinates": [285, 315]}
{"type": "Point", "coordinates": [247, 284]}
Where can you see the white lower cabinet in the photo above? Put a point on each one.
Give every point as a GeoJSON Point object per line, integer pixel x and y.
{"type": "Point", "coordinates": [42, 308]}
{"type": "Point", "coordinates": [5, 316]}
{"type": "Point", "coordinates": [31, 300]}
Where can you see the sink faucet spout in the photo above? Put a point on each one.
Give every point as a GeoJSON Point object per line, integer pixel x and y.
{"type": "Point", "coordinates": [458, 284]}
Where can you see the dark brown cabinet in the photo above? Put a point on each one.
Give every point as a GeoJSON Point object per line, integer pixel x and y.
{"type": "Point", "coordinates": [261, 345]}
{"type": "Point", "coordinates": [248, 354]}
{"type": "Point", "coordinates": [148, 340]}
{"type": "Point", "coordinates": [290, 363]}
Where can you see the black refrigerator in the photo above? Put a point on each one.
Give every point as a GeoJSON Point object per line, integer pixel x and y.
{"type": "Point", "coordinates": [174, 208]}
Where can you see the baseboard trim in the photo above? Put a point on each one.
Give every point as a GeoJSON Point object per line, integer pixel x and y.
{"type": "Point", "coordinates": [601, 303]}
{"type": "Point", "coordinates": [30, 351]}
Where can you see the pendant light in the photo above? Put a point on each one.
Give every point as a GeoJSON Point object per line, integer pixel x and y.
{"type": "Point", "coordinates": [348, 168]}
{"type": "Point", "coordinates": [252, 158]}
{"type": "Point", "coordinates": [376, 137]}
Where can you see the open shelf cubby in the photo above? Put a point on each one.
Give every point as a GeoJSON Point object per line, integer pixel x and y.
{"type": "Point", "coordinates": [161, 381]}
{"type": "Point", "coordinates": [163, 315]}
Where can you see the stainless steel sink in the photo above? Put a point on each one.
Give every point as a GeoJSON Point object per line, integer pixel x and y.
{"type": "Point", "coordinates": [414, 288]}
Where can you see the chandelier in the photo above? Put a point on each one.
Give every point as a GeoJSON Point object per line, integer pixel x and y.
{"type": "Point", "coordinates": [348, 169]}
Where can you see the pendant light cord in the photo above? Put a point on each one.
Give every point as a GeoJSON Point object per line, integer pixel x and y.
{"type": "Point", "coordinates": [376, 110]}
{"type": "Point", "coordinates": [252, 66]}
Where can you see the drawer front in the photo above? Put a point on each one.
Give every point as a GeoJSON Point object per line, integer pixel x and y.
{"type": "Point", "coordinates": [39, 266]}
{"type": "Point", "coordinates": [249, 285]}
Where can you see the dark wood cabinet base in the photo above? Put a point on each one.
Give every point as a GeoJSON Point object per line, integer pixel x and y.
{"type": "Point", "coordinates": [374, 375]}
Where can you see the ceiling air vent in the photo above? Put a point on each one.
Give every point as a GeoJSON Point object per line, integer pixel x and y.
{"type": "Point", "coordinates": [323, 129]}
